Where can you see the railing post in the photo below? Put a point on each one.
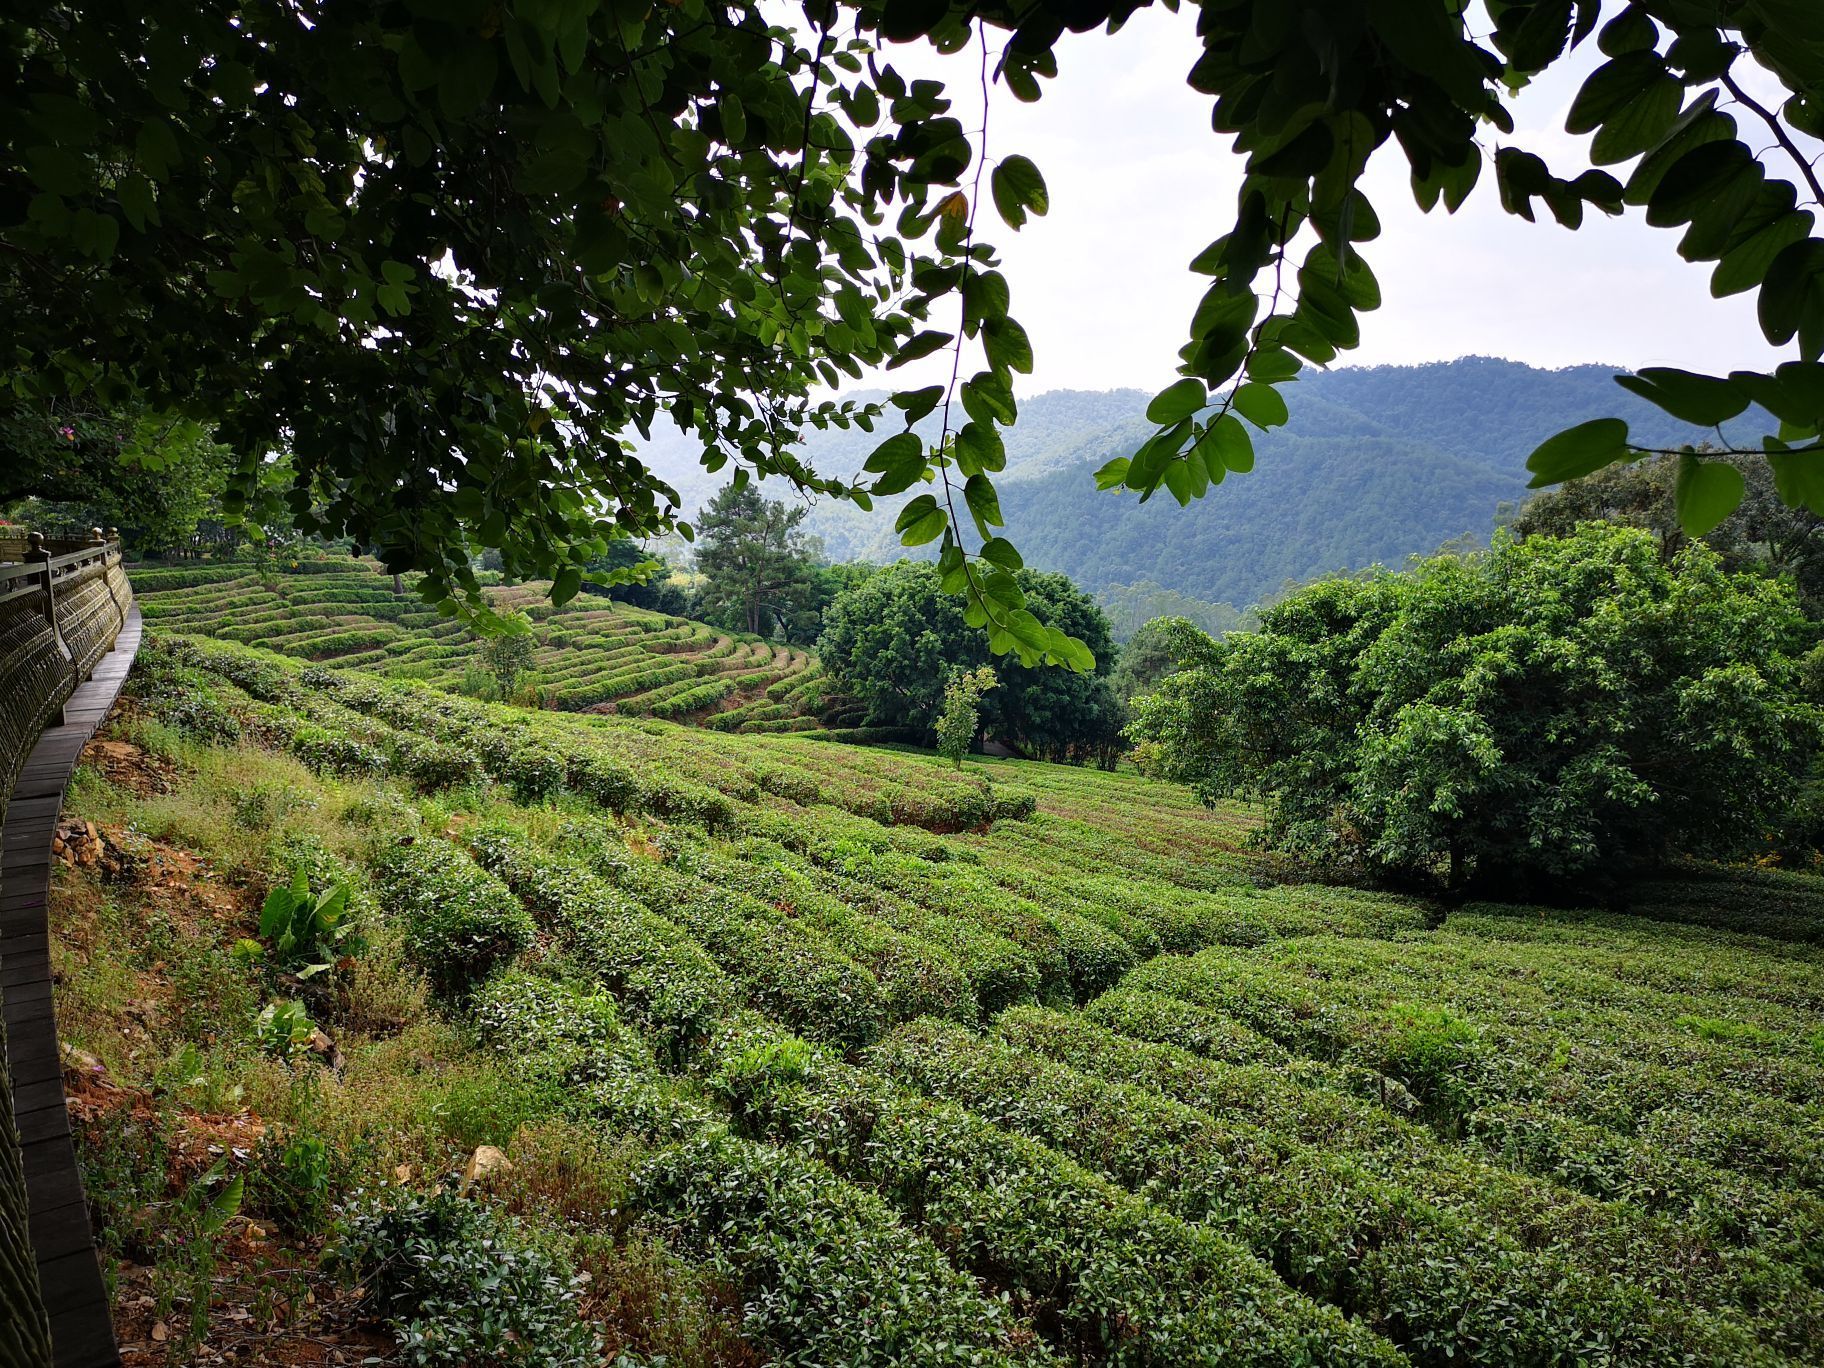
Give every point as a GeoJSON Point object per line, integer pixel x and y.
{"type": "Point", "coordinates": [37, 553]}
{"type": "Point", "coordinates": [95, 537]}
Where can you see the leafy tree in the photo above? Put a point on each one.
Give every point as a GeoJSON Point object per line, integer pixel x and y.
{"type": "Point", "coordinates": [1764, 533]}
{"type": "Point", "coordinates": [508, 654]}
{"type": "Point", "coordinates": [961, 717]}
{"type": "Point", "coordinates": [1149, 657]}
{"type": "Point", "coordinates": [628, 573]}
{"type": "Point", "coordinates": [754, 562]}
{"type": "Point", "coordinates": [895, 640]}
{"type": "Point", "coordinates": [1553, 709]}
{"type": "Point", "coordinates": [446, 259]}
{"type": "Point", "coordinates": [65, 466]}
{"type": "Point", "coordinates": [824, 584]}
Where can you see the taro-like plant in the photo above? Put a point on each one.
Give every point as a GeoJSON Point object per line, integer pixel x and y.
{"type": "Point", "coordinates": [306, 929]}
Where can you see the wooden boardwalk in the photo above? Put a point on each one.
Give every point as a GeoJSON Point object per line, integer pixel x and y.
{"type": "Point", "coordinates": [82, 1330]}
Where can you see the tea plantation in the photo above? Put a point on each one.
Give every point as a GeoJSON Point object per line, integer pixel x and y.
{"type": "Point", "coordinates": [592, 653]}
{"type": "Point", "coordinates": [821, 1054]}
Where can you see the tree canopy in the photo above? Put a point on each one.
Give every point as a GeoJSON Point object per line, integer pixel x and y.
{"type": "Point", "coordinates": [896, 639]}
{"type": "Point", "coordinates": [444, 257]}
{"type": "Point", "coordinates": [74, 468]}
{"type": "Point", "coordinates": [755, 564]}
{"type": "Point", "coordinates": [1764, 533]}
{"type": "Point", "coordinates": [1551, 709]}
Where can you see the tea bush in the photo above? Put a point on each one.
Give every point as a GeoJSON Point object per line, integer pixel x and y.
{"type": "Point", "coordinates": [461, 923]}
{"type": "Point", "coordinates": [460, 1285]}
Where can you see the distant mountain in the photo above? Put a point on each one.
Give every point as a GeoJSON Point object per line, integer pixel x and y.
{"type": "Point", "coordinates": [1377, 463]}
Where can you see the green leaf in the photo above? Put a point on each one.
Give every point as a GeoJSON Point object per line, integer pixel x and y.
{"type": "Point", "coordinates": [1000, 551]}
{"type": "Point", "coordinates": [1803, 383]}
{"type": "Point", "coordinates": [1186, 479]}
{"type": "Point", "coordinates": [1631, 31]}
{"type": "Point", "coordinates": [1700, 399]}
{"type": "Point", "coordinates": [1792, 298]}
{"type": "Point", "coordinates": [899, 461]}
{"type": "Point", "coordinates": [1077, 655]}
{"type": "Point", "coordinates": [919, 345]}
{"type": "Point", "coordinates": [1696, 179]}
{"type": "Point", "coordinates": [1611, 87]}
{"type": "Point", "coordinates": [1799, 478]}
{"type": "Point", "coordinates": [1640, 124]}
{"type": "Point", "coordinates": [1272, 365]}
{"type": "Point", "coordinates": [1746, 264]}
{"type": "Point", "coordinates": [920, 521]}
{"type": "Point", "coordinates": [1261, 405]}
{"type": "Point", "coordinates": [155, 148]}
{"type": "Point", "coordinates": [1007, 345]}
{"type": "Point", "coordinates": [566, 584]}
{"type": "Point", "coordinates": [915, 404]}
{"type": "Point", "coordinates": [222, 1207]}
{"type": "Point", "coordinates": [1705, 492]}
{"type": "Point", "coordinates": [984, 504]}
{"type": "Point", "coordinates": [1000, 586]}
{"type": "Point", "coordinates": [1226, 446]}
{"type": "Point", "coordinates": [1018, 187]}
{"type": "Point", "coordinates": [1699, 124]}
{"type": "Point", "coordinates": [985, 298]}
{"type": "Point", "coordinates": [1578, 451]}
{"type": "Point", "coordinates": [136, 201]}
{"type": "Point", "coordinates": [275, 913]}
{"type": "Point", "coordinates": [979, 447]}
{"type": "Point", "coordinates": [734, 118]}
{"type": "Point", "coordinates": [1177, 402]}
{"type": "Point", "coordinates": [988, 398]}
{"type": "Point", "coordinates": [1148, 464]}
{"type": "Point", "coordinates": [1791, 406]}
{"type": "Point", "coordinates": [1114, 474]}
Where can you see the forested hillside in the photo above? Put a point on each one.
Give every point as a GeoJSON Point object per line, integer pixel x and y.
{"type": "Point", "coordinates": [1378, 463]}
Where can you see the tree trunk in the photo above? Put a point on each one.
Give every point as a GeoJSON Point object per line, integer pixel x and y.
{"type": "Point", "coordinates": [398, 586]}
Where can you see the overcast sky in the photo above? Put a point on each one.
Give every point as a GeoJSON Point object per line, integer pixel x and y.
{"type": "Point", "coordinates": [1139, 185]}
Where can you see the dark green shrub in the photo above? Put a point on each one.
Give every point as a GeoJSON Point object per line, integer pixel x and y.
{"type": "Point", "coordinates": [293, 1179]}
{"type": "Point", "coordinates": [201, 718]}
{"type": "Point", "coordinates": [828, 1273]}
{"type": "Point", "coordinates": [603, 780]}
{"type": "Point", "coordinates": [534, 772]}
{"type": "Point", "coordinates": [432, 765]}
{"type": "Point", "coordinates": [459, 1284]}
{"type": "Point", "coordinates": [461, 923]}
{"type": "Point", "coordinates": [332, 752]}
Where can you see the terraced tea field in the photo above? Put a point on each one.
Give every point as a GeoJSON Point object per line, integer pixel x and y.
{"type": "Point", "coordinates": [592, 654]}
{"type": "Point", "coordinates": [882, 1063]}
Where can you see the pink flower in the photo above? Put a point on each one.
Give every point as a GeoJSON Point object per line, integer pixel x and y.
{"type": "Point", "coordinates": [69, 433]}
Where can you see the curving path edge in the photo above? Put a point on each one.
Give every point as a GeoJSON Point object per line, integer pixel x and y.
{"type": "Point", "coordinates": [75, 1297]}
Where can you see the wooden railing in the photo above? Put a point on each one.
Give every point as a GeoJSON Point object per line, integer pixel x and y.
{"type": "Point", "coordinates": [63, 604]}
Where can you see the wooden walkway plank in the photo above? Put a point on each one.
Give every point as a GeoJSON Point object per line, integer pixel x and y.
{"type": "Point", "coordinates": [75, 1296]}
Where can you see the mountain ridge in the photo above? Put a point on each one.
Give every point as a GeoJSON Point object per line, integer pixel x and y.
{"type": "Point", "coordinates": [1377, 463]}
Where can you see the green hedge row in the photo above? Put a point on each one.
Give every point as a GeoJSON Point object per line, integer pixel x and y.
{"type": "Point", "coordinates": [461, 923]}
{"type": "Point", "coordinates": [1108, 1278]}
{"type": "Point", "coordinates": [1446, 1286]}
{"type": "Point", "coordinates": [644, 960]}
